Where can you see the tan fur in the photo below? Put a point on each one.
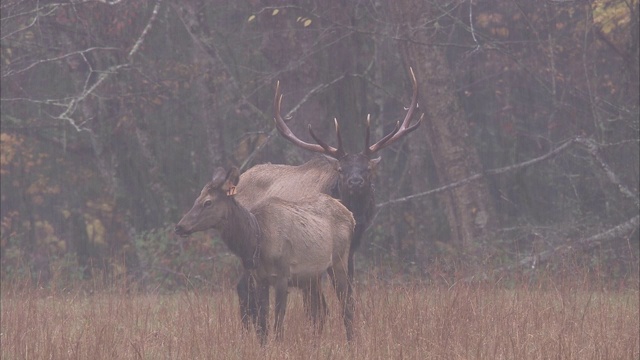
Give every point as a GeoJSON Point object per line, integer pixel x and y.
{"type": "Point", "coordinates": [303, 238]}
{"type": "Point", "coordinates": [318, 175]}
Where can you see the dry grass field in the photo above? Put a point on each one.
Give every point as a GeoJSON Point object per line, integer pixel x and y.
{"type": "Point", "coordinates": [395, 320]}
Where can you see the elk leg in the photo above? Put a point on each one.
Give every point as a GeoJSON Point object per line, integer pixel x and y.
{"type": "Point", "coordinates": [318, 304]}
{"type": "Point", "coordinates": [350, 265]}
{"type": "Point", "coordinates": [355, 244]}
{"type": "Point", "coordinates": [247, 298]}
{"type": "Point", "coordinates": [344, 291]}
{"type": "Point", "coordinates": [282, 291]}
{"type": "Point", "coordinates": [314, 302]}
{"type": "Point", "coordinates": [306, 300]}
{"type": "Point", "coordinates": [262, 310]}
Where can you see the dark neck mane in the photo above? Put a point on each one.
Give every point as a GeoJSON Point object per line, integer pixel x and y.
{"type": "Point", "coordinates": [241, 233]}
{"type": "Point", "coordinates": [361, 205]}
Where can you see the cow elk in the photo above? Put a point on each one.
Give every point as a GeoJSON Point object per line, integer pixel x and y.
{"type": "Point", "coordinates": [281, 243]}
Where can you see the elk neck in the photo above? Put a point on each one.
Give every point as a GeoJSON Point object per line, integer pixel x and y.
{"type": "Point", "coordinates": [242, 234]}
{"type": "Point", "coordinates": [361, 204]}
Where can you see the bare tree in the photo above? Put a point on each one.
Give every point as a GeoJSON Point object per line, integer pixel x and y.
{"type": "Point", "coordinates": [469, 209]}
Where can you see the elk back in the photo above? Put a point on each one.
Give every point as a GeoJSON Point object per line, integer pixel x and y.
{"type": "Point", "coordinates": [319, 175]}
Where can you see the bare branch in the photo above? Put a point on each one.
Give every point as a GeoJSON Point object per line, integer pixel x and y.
{"type": "Point", "coordinates": [30, 25]}
{"type": "Point", "coordinates": [590, 144]}
{"type": "Point", "coordinates": [110, 2]}
{"type": "Point", "coordinates": [534, 261]}
{"type": "Point", "coordinates": [154, 15]}
{"type": "Point", "coordinates": [51, 7]}
{"type": "Point", "coordinates": [593, 149]}
{"type": "Point", "coordinates": [318, 89]}
{"type": "Point", "coordinates": [474, 177]}
{"type": "Point", "coordinates": [72, 105]}
{"type": "Point", "coordinates": [37, 11]}
{"type": "Point", "coordinates": [473, 31]}
{"type": "Point", "coordinates": [79, 52]}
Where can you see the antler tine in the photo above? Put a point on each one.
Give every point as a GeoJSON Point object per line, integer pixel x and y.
{"type": "Point", "coordinates": [383, 140]}
{"type": "Point", "coordinates": [328, 150]}
{"type": "Point", "coordinates": [403, 129]}
{"type": "Point", "coordinates": [340, 151]}
{"type": "Point", "coordinates": [367, 133]}
{"type": "Point", "coordinates": [414, 100]}
{"type": "Point", "coordinates": [284, 130]}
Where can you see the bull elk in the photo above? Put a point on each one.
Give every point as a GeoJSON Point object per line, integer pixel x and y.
{"type": "Point", "coordinates": [354, 172]}
{"type": "Point", "coordinates": [349, 177]}
{"type": "Point", "coordinates": [281, 243]}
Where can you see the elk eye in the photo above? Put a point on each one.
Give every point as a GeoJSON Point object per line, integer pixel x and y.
{"type": "Point", "coordinates": [207, 203]}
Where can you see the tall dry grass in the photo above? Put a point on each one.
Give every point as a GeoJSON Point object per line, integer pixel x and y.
{"type": "Point", "coordinates": [395, 320]}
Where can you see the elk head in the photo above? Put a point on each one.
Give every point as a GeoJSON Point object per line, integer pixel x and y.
{"type": "Point", "coordinates": [356, 170]}
{"type": "Point", "coordinates": [211, 208]}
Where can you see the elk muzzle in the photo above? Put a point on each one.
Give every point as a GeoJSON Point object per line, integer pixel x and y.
{"type": "Point", "coordinates": [355, 182]}
{"type": "Point", "coordinates": [181, 231]}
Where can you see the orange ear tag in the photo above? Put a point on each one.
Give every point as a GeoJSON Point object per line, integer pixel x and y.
{"type": "Point", "coordinates": [231, 191]}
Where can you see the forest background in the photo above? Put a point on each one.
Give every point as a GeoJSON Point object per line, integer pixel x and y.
{"type": "Point", "coordinates": [115, 113]}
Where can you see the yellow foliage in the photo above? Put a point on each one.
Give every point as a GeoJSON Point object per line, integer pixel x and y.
{"type": "Point", "coordinates": [101, 206]}
{"type": "Point", "coordinates": [305, 21]}
{"type": "Point", "coordinates": [610, 15]}
{"type": "Point", "coordinates": [96, 231]}
{"type": "Point", "coordinates": [9, 147]}
{"type": "Point", "coordinates": [45, 235]}
{"type": "Point", "coordinates": [7, 221]}
{"type": "Point", "coordinates": [41, 186]}
{"type": "Point", "coordinates": [484, 19]}
{"type": "Point", "coordinates": [500, 32]}
{"type": "Point", "coordinates": [37, 200]}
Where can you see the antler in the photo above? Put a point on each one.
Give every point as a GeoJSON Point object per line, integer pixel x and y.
{"type": "Point", "coordinates": [400, 130]}
{"type": "Point", "coordinates": [320, 147]}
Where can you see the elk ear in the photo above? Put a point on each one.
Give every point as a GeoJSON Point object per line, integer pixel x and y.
{"type": "Point", "coordinates": [232, 177]}
{"type": "Point", "coordinates": [218, 178]}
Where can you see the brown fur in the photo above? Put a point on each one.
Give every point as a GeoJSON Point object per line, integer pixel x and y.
{"type": "Point", "coordinates": [281, 243]}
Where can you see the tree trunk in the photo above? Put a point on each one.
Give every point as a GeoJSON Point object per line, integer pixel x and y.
{"type": "Point", "coordinates": [205, 58]}
{"type": "Point", "coordinates": [469, 208]}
